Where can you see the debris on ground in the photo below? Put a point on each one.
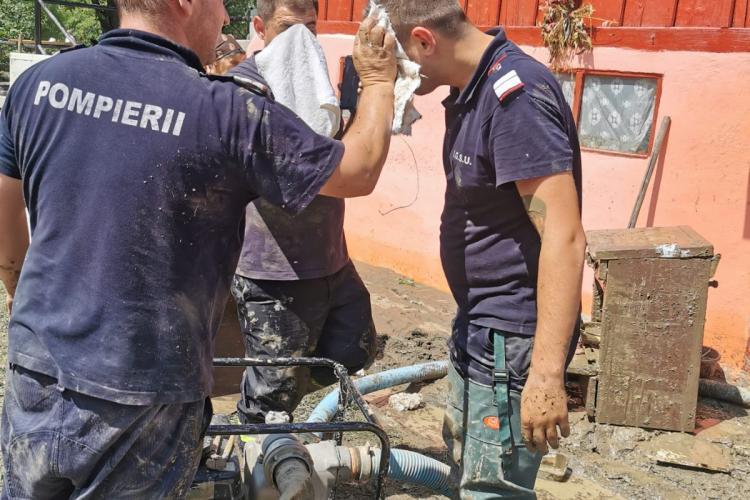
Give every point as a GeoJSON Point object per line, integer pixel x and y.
{"type": "Point", "coordinates": [555, 467]}
{"type": "Point", "coordinates": [606, 461]}
{"type": "Point", "coordinates": [688, 451]}
{"type": "Point", "coordinates": [277, 417]}
{"type": "Point", "coordinates": [405, 401]}
{"type": "Point", "coordinates": [730, 433]}
{"type": "Point", "coordinates": [220, 456]}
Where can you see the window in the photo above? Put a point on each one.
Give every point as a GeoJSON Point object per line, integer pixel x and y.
{"type": "Point", "coordinates": [568, 83]}
{"type": "Point", "coordinates": [615, 112]}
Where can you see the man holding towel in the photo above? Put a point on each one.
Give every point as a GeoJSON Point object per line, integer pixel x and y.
{"type": "Point", "coordinates": [297, 291]}
{"type": "Point", "coordinates": [512, 244]}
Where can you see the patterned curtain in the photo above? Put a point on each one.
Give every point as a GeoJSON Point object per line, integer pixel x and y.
{"type": "Point", "coordinates": [568, 83]}
{"type": "Point", "coordinates": [617, 113]}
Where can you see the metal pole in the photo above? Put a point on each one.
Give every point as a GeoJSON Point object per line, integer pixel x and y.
{"type": "Point", "coordinates": [650, 170]}
{"type": "Point", "coordinates": [93, 6]}
{"type": "Point", "coordinates": [38, 29]}
{"type": "Point", "coordinates": [68, 37]}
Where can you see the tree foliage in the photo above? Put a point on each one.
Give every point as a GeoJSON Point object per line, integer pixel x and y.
{"type": "Point", "coordinates": [86, 25]}
{"type": "Point", "coordinates": [239, 13]}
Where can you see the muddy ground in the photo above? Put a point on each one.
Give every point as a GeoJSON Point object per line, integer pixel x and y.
{"type": "Point", "coordinates": [605, 461]}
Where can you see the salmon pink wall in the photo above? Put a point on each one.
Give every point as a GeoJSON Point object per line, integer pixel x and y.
{"type": "Point", "coordinates": [704, 180]}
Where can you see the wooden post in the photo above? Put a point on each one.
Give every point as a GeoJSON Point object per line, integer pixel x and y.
{"type": "Point", "coordinates": [650, 170]}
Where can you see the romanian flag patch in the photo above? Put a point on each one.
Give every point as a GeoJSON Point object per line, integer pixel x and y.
{"type": "Point", "coordinates": [508, 84]}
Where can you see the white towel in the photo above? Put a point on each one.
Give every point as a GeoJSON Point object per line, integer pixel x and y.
{"type": "Point", "coordinates": [407, 82]}
{"type": "Point", "coordinates": [294, 66]}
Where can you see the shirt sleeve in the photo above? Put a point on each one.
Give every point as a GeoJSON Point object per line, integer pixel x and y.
{"type": "Point", "coordinates": [287, 163]}
{"type": "Point", "coordinates": [8, 164]}
{"type": "Point", "coordinates": [528, 138]}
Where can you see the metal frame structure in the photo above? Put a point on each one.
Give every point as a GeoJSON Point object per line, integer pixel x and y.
{"type": "Point", "coordinates": [347, 393]}
{"type": "Point", "coordinates": [41, 6]}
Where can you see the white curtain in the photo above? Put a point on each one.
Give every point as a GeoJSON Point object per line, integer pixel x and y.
{"type": "Point", "coordinates": [617, 113]}
{"type": "Point", "coordinates": [568, 83]}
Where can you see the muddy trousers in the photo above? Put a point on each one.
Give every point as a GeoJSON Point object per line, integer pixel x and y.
{"type": "Point", "coordinates": [328, 317]}
{"type": "Point", "coordinates": [62, 444]}
{"type": "Point", "coordinates": [482, 429]}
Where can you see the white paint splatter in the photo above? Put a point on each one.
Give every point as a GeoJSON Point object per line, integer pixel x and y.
{"type": "Point", "coordinates": [668, 251]}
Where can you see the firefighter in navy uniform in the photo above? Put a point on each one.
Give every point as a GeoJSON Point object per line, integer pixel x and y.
{"type": "Point", "coordinates": [136, 180]}
{"type": "Point", "coordinates": [511, 245]}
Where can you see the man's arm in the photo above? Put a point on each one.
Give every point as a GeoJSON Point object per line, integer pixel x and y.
{"type": "Point", "coordinates": [552, 205]}
{"type": "Point", "coordinates": [368, 138]}
{"type": "Point", "coordinates": [14, 235]}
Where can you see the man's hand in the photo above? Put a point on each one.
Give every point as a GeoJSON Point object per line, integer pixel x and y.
{"type": "Point", "coordinates": [9, 303]}
{"type": "Point", "coordinates": [374, 54]}
{"type": "Point", "coordinates": [544, 409]}
{"type": "Point", "coordinates": [369, 136]}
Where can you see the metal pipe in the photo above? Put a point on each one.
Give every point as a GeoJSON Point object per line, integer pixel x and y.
{"type": "Point", "coordinates": [70, 38]}
{"type": "Point", "coordinates": [100, 8]}
{"type": "Point", "coordinates": [38, 29]}
{"type": "Point", "coordinates": [293, 480]}
{"type": "Point", "coordinates": [288, 465]}
{"type": "Point", "coordinates": [347, 388]}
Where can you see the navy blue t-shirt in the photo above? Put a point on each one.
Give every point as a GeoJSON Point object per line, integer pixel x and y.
{"type": "Point", "coordinates": [136, 172]}
{"type": "Point", "coordinates": [281, 247]}
{"type": "Point", "coordinates": [510, 123]}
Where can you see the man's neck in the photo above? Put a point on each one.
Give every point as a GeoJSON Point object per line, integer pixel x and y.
{"type": "Point", "coordinates": [153, 26]}
{"type": "Point", "coordinates": [467, 54]}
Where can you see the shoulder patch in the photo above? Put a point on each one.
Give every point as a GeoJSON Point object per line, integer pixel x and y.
{"type": "Point", "coordinates": [507, 84]}
{"type": "Point", "coordinates": [253, 86]}
{"type": "Point", "coordinates": [497, 65]}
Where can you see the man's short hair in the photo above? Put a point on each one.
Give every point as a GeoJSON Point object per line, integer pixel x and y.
{"type": "Point", "coordinates": [143, 6]}
{"type": "Point", "coordinates": [444, 16]}
{"type": "Point", "coordinates": [267, 8]}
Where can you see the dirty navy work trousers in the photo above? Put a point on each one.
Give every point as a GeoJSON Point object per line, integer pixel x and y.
{"type": "Point", "coordinates": [328, 317]}
{"type": "Point", "coordinates": [58, 443]}
{"type": "Point", "coordinates": [482, 429]}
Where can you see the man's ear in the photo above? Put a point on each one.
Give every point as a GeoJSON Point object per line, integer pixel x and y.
{"type": "Point", "coordinates": [424, 39]}
{"type": "Point", "coordinates": [260, 27]}
{"type": "Point", "coordinates": [186, 6]}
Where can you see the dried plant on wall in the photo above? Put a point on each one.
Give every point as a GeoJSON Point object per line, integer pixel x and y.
{"type": "Point", "coordinates": [564, 30]}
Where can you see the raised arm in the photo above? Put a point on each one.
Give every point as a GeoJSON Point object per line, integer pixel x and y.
{"type": "Point", "coordinates": [368, 138]}
{"type": "Point", "coordinates": [14, 235]}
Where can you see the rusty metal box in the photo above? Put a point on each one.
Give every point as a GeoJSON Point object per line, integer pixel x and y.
{"type": "Point", "coordinates": [650, 293]}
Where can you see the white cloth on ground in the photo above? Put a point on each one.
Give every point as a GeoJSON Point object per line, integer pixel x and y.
{"type": "Point", "coordinates": [295, 68]}
{"type": "Point", "coordinates": [407, 82]}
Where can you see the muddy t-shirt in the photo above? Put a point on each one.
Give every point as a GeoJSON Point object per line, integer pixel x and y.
{"type": "Point", "coordinates": [510, 123]}
{"type": "Point", "coordinates": [282, 247]}
{"type": "Point", "coordinates": [136, 173]}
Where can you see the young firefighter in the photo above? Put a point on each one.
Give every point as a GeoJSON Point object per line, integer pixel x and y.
{"type": "Point", "coordinates": [136, 170]}
{"type": "Point", "coordinates": [296, 289]}
{"type": "Point", "coordinates": [512, 244]}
